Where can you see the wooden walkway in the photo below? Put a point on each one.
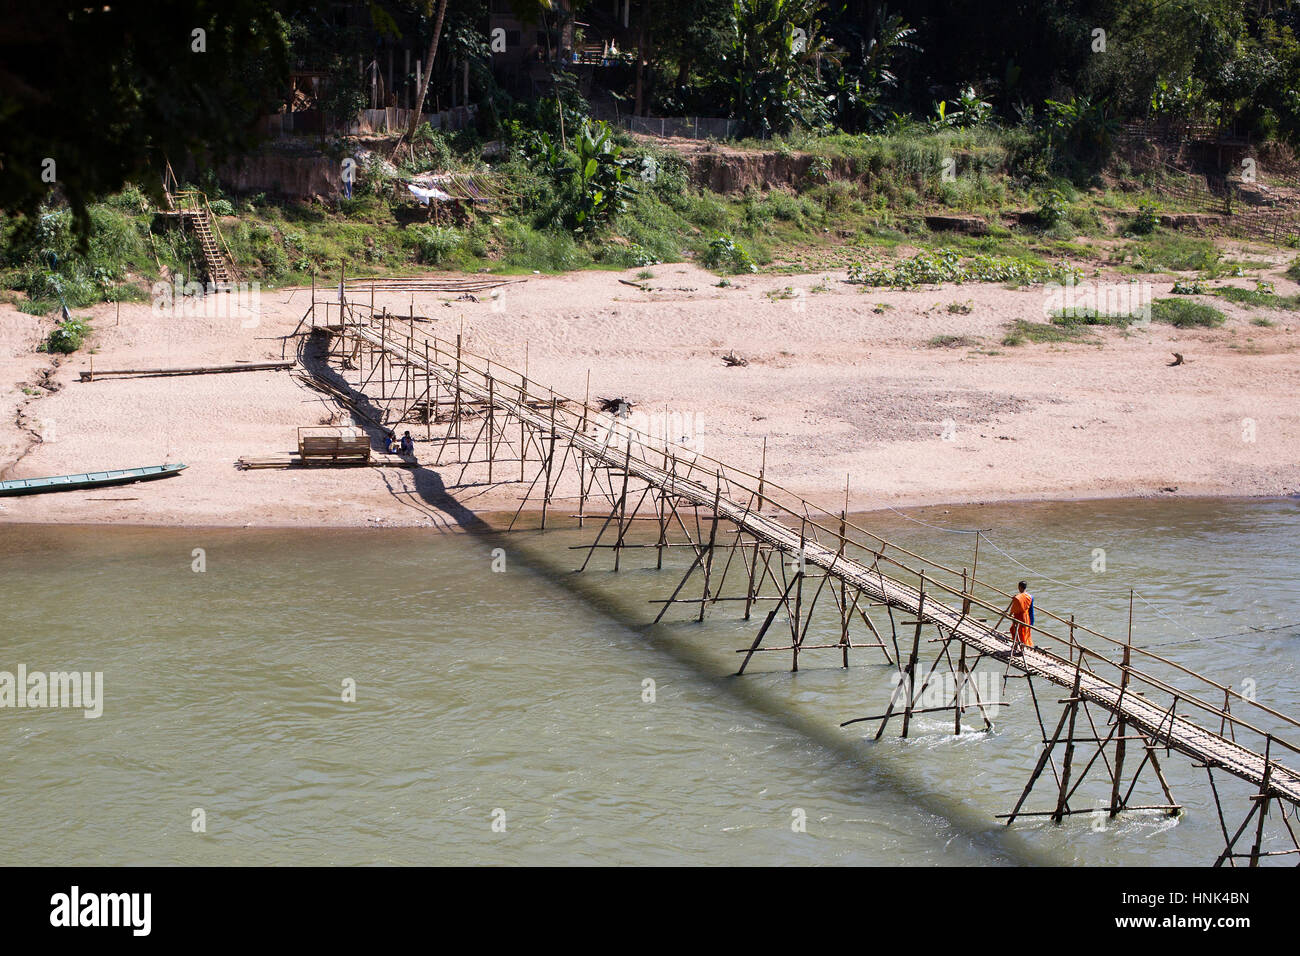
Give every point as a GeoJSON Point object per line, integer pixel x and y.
{"type": "Point", "coordinates": [860, 571]}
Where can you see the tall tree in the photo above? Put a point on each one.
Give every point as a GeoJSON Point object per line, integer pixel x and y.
{"type": "Point", "coordinates": [428, 66]}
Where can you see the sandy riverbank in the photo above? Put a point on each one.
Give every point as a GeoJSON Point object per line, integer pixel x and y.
{"type": "Point", "coordinates": [837, 388]}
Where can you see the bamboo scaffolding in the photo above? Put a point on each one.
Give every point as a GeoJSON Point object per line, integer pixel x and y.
{"type": "Point", "coordinates": [752, 520]}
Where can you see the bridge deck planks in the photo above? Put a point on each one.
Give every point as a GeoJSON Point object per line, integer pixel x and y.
{"type": "Point", "coordinates": [1179, 734]}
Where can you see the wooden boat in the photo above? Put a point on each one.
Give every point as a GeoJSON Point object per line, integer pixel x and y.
{"type": "Point", "coordinates": [92, 479]}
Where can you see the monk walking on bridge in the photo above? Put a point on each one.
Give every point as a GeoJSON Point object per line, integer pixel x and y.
{"type": "Point", "coordinates": [1021, 610]}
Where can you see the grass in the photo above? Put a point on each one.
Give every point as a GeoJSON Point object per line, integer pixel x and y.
{"type": "Point", "coordinates": [1293, 271]}
{"type": "Point", "coordinates": [1022, 331]}
{"type": "Point", "coordinates": [278, 242]}
{"type": "Point", "coordinates": [952, 342]}
{"type": "Point", "coordinates": [1252, 298]}
{"type": "Point", "coordinates": [1170, 252]}
{"type": "Point", "coordinates": [1078, 316]}
{"type": "Point", "coordinates": [949, 266]}
{"type": "Point", "coordinates": [1181, 313]}
{"type": "Point", "coordinates": [1185, 314]}
{"type": "Point", "coordinates": [864, 205]}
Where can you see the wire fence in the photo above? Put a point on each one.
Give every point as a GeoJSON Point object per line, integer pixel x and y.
{"type": "Point", "coordinates": [389, 120]}
{"type": "Point", "coordinates": [682, 127]}
{"type": "Point", "coordinates": [1246, 203]}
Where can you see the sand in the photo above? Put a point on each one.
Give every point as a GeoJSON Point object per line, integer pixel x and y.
{"type": "Point", "coordinates": [839, 388]}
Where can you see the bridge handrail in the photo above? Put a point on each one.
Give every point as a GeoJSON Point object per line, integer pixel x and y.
{"type": "Point", "coordinates": [729, 473]}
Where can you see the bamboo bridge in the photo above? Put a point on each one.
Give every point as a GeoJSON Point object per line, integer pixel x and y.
{"type": "Point", "coordinates": [1117, 713]}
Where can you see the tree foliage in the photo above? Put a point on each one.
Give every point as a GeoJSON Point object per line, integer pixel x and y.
{"type": "Point", "coordinates": [773, 65]}
{"type": "Point", "coordinates": [93, 96]}
{"type": "Point", "coordinates": [96, 95]}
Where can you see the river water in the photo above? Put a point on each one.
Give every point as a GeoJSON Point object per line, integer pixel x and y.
{"type": "Point", "coordinates": [530, 716]}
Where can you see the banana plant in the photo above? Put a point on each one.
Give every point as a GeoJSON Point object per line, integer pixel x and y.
{"type": "Point", "coordinates": [604, 180]}
{"type": "Point", "coordinates": [774, 63]}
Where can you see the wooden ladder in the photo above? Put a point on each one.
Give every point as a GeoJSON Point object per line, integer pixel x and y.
{"type": "Point", "coordinates": [218, 271]}
{"type": "Point", "coordinates": [192, 205]}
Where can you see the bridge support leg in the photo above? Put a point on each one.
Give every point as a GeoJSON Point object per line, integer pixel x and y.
{"type": "Point", "coordinates": [1069, 734]}
{"type": "Point", "coordinates": [1043, 758]}
{"type": "Point", "coordinates": [771, 616]}
{"type": "Point", "coordinates": [1064, 793]}
{"type": "Point", "coordinates": [930, 695]}
{"type": "Point", "coordinates": [708, 551]}
{"type": "Point", "coordinates": [1260, 805]}
{"type": "Point", "coordinates": [909, 675]}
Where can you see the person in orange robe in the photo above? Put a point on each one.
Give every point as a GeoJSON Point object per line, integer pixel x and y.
{"type": "Point", "coordinates": [1021, 610]}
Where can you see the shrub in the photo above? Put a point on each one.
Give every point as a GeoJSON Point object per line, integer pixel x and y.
{"type": "Point", "coordinates": [1185, 314]}
{"type": "Point", "coordinates": [1146, 218]}
{"type": "Point", "coordinates": [591, 181]}
{"type": "Point", "coordinates": [547, 250]}
{"type": "Point", "coordinates": [222, 207]}
{"type": "Point", "coordinates": [725, 254]}
{"type": "Point", "coordinates": [785, 207]}
{"type": "Point", "coordinates": [68, 336]}
{"type": "Point", "coordinates": [130, 199]}
{"type": "Point", "coordinates": [638, 255]}
{"type": "Point", "coordinates": [1052, 208]}
{"type": "Point", "coordinates": [270, 253]}
{"type": "Point", "coordinates": [434, 245]}
{"type": "Point", "coordinates": [430, 149]}
{"type": "Point", "coordinates": [819, 170]}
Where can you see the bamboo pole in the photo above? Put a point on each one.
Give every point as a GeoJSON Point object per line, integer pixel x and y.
{"type": "Point", "coordinates": [674, 491]}
{"type": "Point", "coordinates": [622, 505]}
{"type": "Point", "coordinates": [713, 537]}
{"type": "Point", "coordinates": [491, 425]}
{"type": "Point", "coordinates": [911, 666]}
{"type": "Point", "coordinates": [1122, 724]}
{"type": "Point", "coordinates": [550, 457]}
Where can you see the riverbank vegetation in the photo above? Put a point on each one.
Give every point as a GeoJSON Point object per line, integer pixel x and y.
{"type": "Point", "coordinates": [873, 124]}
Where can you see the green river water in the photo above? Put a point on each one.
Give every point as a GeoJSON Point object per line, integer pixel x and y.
{"type": "Point", "coordinates": [520, 697]}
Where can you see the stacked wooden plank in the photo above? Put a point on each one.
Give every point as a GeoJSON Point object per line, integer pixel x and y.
{"type": "Point", "coordinates": [295, 460]}
{"type": "Point", "coordinates": [357, 288]}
